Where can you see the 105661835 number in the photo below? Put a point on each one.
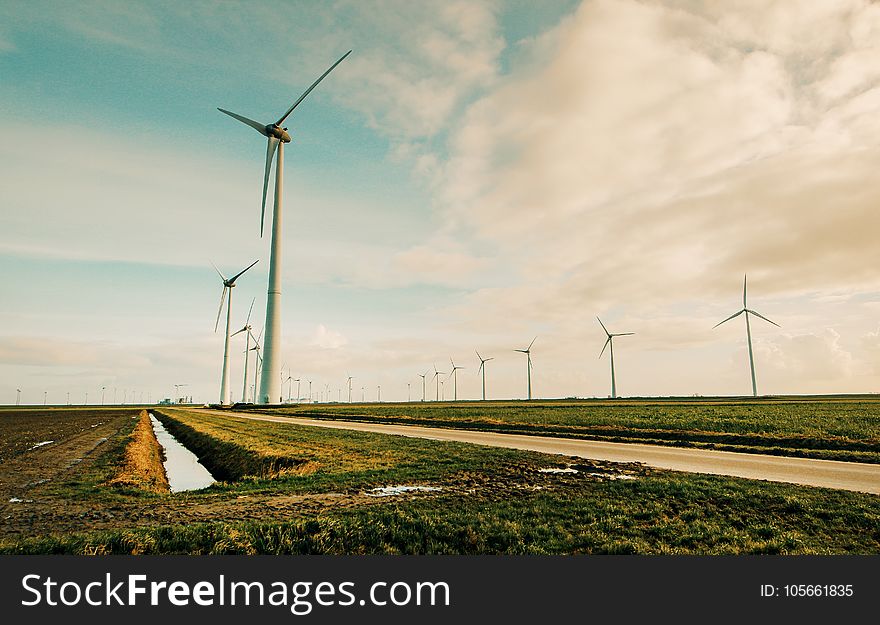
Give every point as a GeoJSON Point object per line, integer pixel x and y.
{"type": "Point", "coordinates": [818, 590]}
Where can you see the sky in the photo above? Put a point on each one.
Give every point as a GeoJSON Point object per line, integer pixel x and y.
{"type": "Point", "coordinates": [473, 176]}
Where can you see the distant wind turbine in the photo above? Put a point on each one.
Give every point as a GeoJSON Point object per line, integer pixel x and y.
{"type": "Point", "coordinates": [17, 396]}
{"type": "Point", "coordinates": [748, 312]}
{"type": "Point", "coordinates": [436, 377]}
{"type": "Point", "coordinates": [423, 376]}
{"type": "Point", "coordinates": [350, 378]}
{"type": "Point", "coordinates": [610, 342]}
{"type": "Point", "coordinates": [247, 349]}
{"type": "Point", "coordinates": [277, 136]}
{"type": "Point", "coordinates": [228, 285]}
{"type": "Point", "coordinates": [454, 377]}
{"type": "Point", "coordinates": [482, 370]}
{"type": "Point", "coordinates": [528, 352]}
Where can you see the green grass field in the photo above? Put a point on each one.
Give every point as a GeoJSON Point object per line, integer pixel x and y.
{"type": "Point", "coordinates": [294, 489]}
{"type": "Point", "coordinates": [834, 428]}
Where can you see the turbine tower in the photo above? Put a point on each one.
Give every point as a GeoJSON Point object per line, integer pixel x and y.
{"type": "Point", "coordinates": [748, 312]}
{"type": "Point", "coordinates": [350, 378]}
{"type": "Point", "coordinates": [423, 376]}
{"type": "Point", "coordinates": [277, 136]}
{"type": "Point", "coordinates": [482, 370]}
{"type": "Point", "coordinates": [528, 352]}
{"type": "Point", "coordinates": [454, 377]}
{"type": "Point", "coordinates": [247, 349]}
{"type": "Point", "coordinates": [228, 285]}
{"type": "Point", "coordinates": [436, 377]}
{"type": "Point", "coordinates": [610, 342]}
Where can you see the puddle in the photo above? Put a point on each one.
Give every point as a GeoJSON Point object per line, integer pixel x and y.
{"type": "Point", "coordinates": [41, 444]}
{"type": "Point", "coordinates": [182, 467]}
{"type": "Point", "coordinates": [556, 470]}
{"type": "Point", "coordinates": [614, 476]}
{"type": "Point", "coordinates": [389, 491]}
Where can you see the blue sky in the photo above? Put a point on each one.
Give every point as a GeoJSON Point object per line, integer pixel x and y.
{"type": "Point", "coordinates": [475, 174]}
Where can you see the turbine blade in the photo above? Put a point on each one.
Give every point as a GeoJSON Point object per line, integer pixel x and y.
{"type": "Point", "coordinates": [271, 146]}
{"type": "Point", "coordinates": [220, 310]}
{"type": "Point", "coordinates": [764, 318]}
{"type": "Point", "coordinates": [482, 363]}
{"type": "Point", "coordinates": [220, 273]}
{"type": "Point", "coordinates": [261, 128]}
{"type": "Point", "coordinates": [236, 276]}
{"type": "Point", "coordinates": [624, 334]}
{"type": "Point", "coordinates": [250, 310]}
{"type": "Point", "coordinates": [745, 278]}
{"type": "Point", "coordinates": [239, 332]}
{"type": "Point", "coordinates": [608, 340]}
{"type": "Point", "coordinates": [729, 318]}
{"type": "Point", "coordinates": [478, 355]}
{"type": "Point", "coordinates": [488, 359]}
{"type": "Point", "coordinates": [309, 90]}
{"type": "Point", "coordinates": [532, 343]}
{"type": "Point", "coordinates": [603, 326]}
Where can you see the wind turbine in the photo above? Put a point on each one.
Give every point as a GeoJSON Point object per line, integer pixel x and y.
{"type": "Point", "coordinates": [610, 341]}
{"type": "Point", "coordinates": [228, 285]}
{"type": "Point", "coordinates": [437, 375]}
{"type": "Point", "coordinates": [247, 356]}
{"type": "Point", "coordinates": [423, 376]}
{"type": "Point", "coordinates": [350, 378]}
{"type": "Point", "coordinates": [17, 396]}
{"type": "Point", "coordinates": [528, 352]}
{"type": "Point", "coordinates": [454, 377]}
{"type": "Point", "coordinates": [277, 136]}
{"type": "Point", "coordinates": [482, 370]}
{"type": "Point", "coordinates": [746, 310]}
{"type": "Point", "coordinates": [259, 361]}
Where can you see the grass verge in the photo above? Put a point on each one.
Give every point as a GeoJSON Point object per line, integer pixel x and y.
{"type": "Point", "coordinates": [142, 466]}
{"type": "Point", "coordinates": [663, 514]}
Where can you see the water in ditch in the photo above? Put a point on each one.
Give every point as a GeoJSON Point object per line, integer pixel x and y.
{"type": "Point", "coordinates": [182, 467]}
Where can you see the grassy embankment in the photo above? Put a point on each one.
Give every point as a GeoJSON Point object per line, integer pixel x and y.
{"type": "Point", "coordinates": [831, 428]}
{"type": "Point", "coordinates": [142, 465]}
{"type": "Point", "coordinates": [492, 501]}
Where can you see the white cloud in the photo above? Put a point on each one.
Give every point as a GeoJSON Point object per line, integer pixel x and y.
{"type": "Point", "coordinates": [327, 339]}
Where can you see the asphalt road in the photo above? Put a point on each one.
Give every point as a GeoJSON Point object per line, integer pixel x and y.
{"type": "Point", "coordinates": [855, 476]}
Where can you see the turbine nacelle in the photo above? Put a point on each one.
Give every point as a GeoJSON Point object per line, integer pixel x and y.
{"type": "Point", "coordinates": [276, 131]}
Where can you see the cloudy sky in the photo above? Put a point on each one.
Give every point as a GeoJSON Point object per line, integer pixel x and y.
{"type": "Point", "coordinates": [472, 176]}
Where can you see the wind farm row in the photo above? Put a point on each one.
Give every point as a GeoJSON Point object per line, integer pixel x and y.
{"type": "Point", "coordinates": [323, 392]}
{"type": "Point", "coordinates": [269, 378]}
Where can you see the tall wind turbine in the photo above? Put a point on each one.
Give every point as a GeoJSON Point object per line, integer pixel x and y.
{"type": "Point", "coordinates": [482, 370]}
{"type": "Point", "coordinates": [454, 377]}
{"type": "Point", "coordinates": [610, 342]}
{"type": "Point", "coordinates": [528, 352]}
{"type": "Point", "coordinates": [350, 378]}
{"type": "Point", "coordinates": [436, 377]}
{"type": "Point", "coordinates": [745, 309]}
{"type": "Point", "coordinates": [247, 349]}
{"type": "Point", "coordinates": [423, 376]}
{"type": "Point", "coordinates": [277, 136]}
{"type": "Point", "coordinates": [228, 285]}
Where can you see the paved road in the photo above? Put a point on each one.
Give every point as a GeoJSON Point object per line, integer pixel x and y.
{"type": "Point", "coordinates": [854, 476]}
